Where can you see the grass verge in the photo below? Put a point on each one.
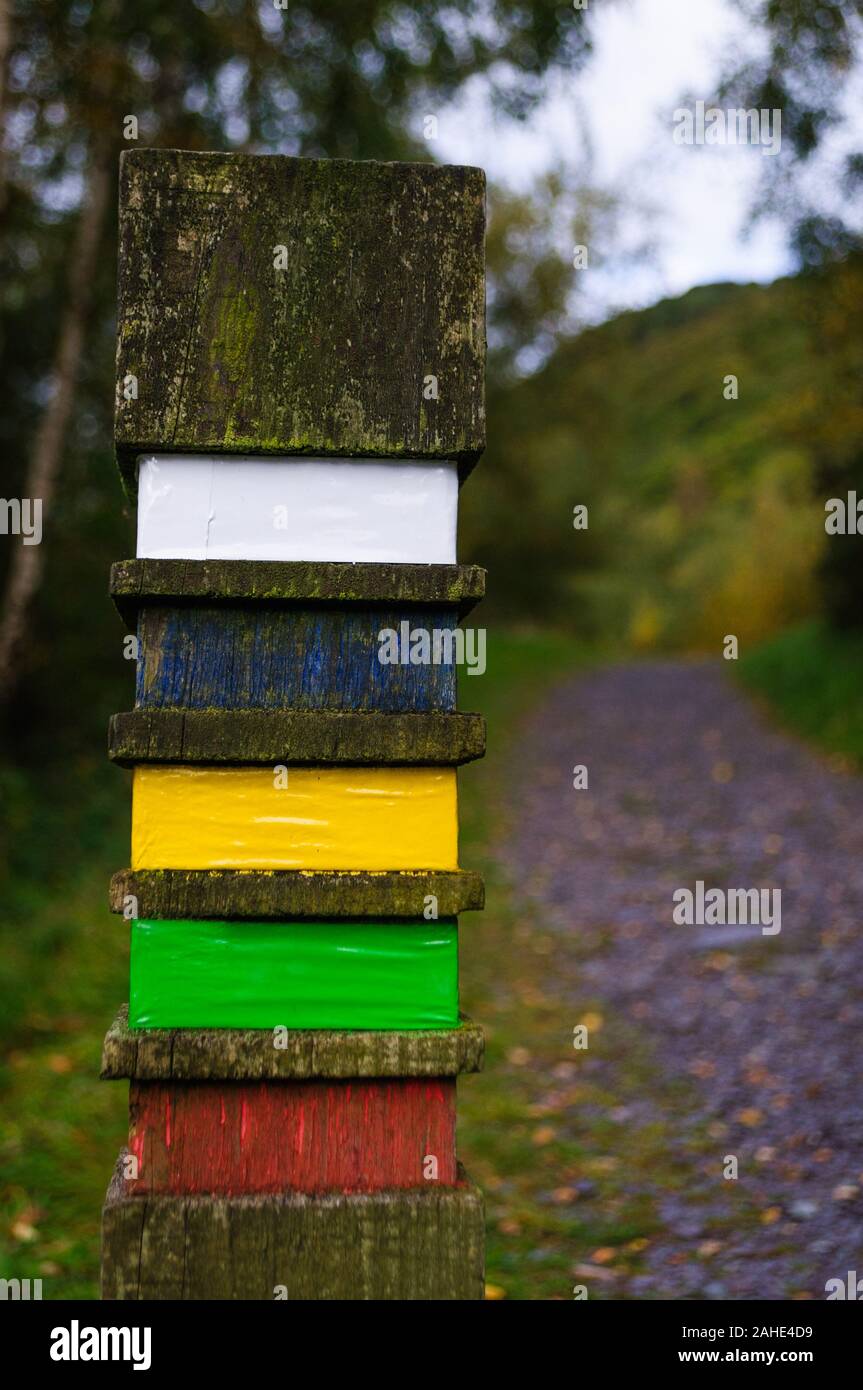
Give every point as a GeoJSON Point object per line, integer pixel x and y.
{"type": "Point", "coordinates": [812, 678]}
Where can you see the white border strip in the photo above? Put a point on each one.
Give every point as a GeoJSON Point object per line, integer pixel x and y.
{"type": "Point", "coordinates": [199, 507]}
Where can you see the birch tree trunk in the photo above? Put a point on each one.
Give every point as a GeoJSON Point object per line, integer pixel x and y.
{"type": "Point", "coordinates": [25, 569]}
{"type": "Point", "coordinates": [5, 43]}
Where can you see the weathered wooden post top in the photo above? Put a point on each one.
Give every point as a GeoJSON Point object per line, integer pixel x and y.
{"type": "Point", "coordinates": [300, 371]}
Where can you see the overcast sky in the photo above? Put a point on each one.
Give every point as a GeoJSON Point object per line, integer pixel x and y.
{"type": "Point", "coordinates": [648, 53]}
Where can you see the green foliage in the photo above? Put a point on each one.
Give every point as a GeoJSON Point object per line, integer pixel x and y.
{"type": "Point", "coordinates": [63, 968]}
{"type": "Point", "coordinates": [532, 290]}
{"type": "Point", "coordinates": [805, 66]}
{"type": "Point", "coordinates": [834, 310]}
{"type": "Point", "coordinates": [318, 77]}
{"type": "Point", "coordinates": [812, 678]}
{"type": "Point", "coordinates": [706, 513]}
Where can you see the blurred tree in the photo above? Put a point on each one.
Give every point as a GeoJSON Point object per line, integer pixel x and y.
{"type": "Point", "coordinates": [537, 243]}
{"type": "Point", "coordinates": [833, 306]}
{"type": "Point", "coordinates": [807, 67]}
{"type": "Point", "coordinates": [320, 77]}
{"type": "Point", "coordinates": [810, 69]}
{"type": "Point", "coordinates": [4, 53]}
{"type": "Point", "coordinates": [516, 514]}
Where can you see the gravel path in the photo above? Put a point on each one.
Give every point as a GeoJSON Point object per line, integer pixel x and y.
{"type": "Point", "coordinates": [688, 781]}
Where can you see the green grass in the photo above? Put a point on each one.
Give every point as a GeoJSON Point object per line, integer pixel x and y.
{"type": "Point", "coordinates": [63, 971]}
{"type": "Point", "coordinates": [812, 679]}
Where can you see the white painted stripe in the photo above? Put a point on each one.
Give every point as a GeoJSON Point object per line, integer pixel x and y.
{"type": "Point", "coordinates": [197, 507]}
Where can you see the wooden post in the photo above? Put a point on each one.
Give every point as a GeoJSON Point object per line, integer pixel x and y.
{"type": "Point", "coordinates": [300, 369]}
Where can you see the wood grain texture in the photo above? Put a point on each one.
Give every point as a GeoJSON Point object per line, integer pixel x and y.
{"type": "Point", "coordinates": [384, 286]}
{"type": "Point", "coordinates": [273, 1136]}
{"type": "Point", "coordinates": [394, 1245]}
{"type": "Point", "coordinates": [239, 893]}
{"type": "Point", "coordinates": [137, 582]}
{"type": "Point", "coordinates": [298, 738]}
{"type": "Point", "coordinates": [231, 1054]}
{"type": "Point", "coordinates": [275, 658]}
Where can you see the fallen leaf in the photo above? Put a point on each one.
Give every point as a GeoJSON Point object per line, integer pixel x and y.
{"type": "Point", "coordinates": [591, 1021]}
{"type": "Point", "coordinates": [606, 1163]}
{"type": "Point", "coordinates": [756, 1076]}
{"type": "Point", "coordinates": [844, 1191]}
{"type": "Point", "coordinates": [544, 1135]}
{"type": "Point", "coordinates": [509, 1226]}
{"type": "Point", "coordinates": [751, 1116]}
{"type": "Point", "coordinates": [604, 1255]}
{"type": "Point", "coordinates": [585, 1271]}
{"type": "Point", "coordinates": [771, 1215]}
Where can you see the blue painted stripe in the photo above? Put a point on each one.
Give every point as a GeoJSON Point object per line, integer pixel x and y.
{"type": "Point", "coordinates": [232, 657]}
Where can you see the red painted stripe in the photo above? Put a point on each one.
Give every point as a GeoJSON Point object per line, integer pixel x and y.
{"type": "Point", "coordinates": [304, 1136]}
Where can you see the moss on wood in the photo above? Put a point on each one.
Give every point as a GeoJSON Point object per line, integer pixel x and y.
{"type": "Point", "coordinates": [299, 737]}
{"type": "Point", "coordinates": [250, 1054]}
{"type": "Point", "coordinates": [269, 895]}
{"type": "Point", "coordinates": [137, 582]}
{"type": "Point", "coordinates": [398, 1245]}
{"type": "Point", "coordinates": [382, 288]}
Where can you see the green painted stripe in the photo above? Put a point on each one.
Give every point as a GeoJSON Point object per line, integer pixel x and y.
{"type": "Point", "coordinates": [196, 974]}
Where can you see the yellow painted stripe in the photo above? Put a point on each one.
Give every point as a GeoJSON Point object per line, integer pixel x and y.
{"type": "Point", "coordinates": [326, 818]}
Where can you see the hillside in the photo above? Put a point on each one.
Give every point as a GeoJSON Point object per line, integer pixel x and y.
{"type": "Point", "coordinates": [706, 513]}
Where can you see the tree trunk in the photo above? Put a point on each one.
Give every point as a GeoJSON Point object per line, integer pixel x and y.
{"type": "Point", "coordinates": [5, 44]}
{"type": "Point", "coordinates": [5, 40]}
{"type": "Point", "coordinates": [25, 570]}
